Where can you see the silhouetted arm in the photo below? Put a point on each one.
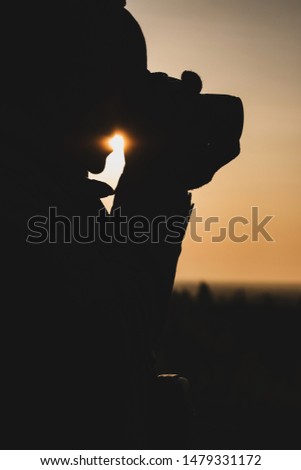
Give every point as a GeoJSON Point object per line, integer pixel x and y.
{"type": "Point", "coordinates": [166, 208]}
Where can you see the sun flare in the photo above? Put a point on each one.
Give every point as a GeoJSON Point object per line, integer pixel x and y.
{"type": "Point", "coordinates": [117, 143]}
{"type": "Point", "coordinates": [114, 146]}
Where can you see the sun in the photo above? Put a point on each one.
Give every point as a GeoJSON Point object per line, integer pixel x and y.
{"type": "Point", "coordinates": [117, 143]}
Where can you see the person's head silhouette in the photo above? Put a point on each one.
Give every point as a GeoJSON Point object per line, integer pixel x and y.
{"type": "Point", "coordinates": [67, 65]}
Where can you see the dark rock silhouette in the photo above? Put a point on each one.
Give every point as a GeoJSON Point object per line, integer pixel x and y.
{"type": "Point", "coordinates": [80, 320]}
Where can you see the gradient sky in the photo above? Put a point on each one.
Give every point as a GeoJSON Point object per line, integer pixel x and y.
{"type": "Point", "coordinates": [249, 49]}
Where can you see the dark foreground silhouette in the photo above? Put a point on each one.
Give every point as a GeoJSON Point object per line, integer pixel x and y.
{"type": "Point", "coordinates": [79, 321]}
{"type": "Point", "coordinates": [242, 355]}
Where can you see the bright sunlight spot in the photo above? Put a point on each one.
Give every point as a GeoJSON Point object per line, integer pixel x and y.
{"type": "Point", "coordinates": [114, 167]}
{"type": "Point", "coordinates": [117, 143]}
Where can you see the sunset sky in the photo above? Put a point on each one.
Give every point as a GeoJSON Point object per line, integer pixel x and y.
{"type": "Point", "coordinates": [250, 49]}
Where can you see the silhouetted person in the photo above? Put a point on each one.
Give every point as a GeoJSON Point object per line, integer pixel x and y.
{"type": "Point", "coordinates": [81, 319]}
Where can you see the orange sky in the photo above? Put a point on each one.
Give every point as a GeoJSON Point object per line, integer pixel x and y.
{"type": "Point", "coordinates": [249, 49]}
